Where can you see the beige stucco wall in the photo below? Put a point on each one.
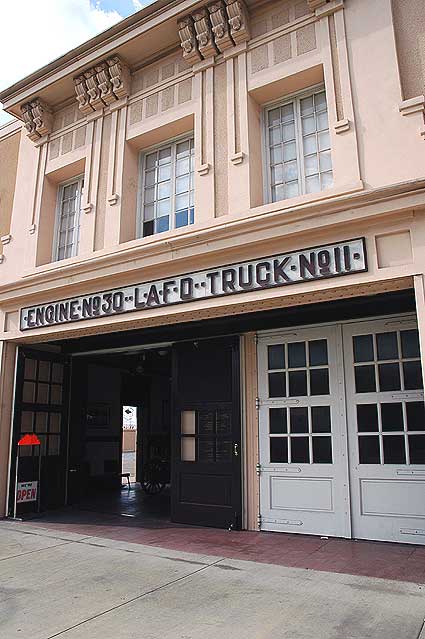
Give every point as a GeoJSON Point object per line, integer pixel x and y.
{"type": "Point", "coordinates": [409, 27]}
{"type": "Point", "coordinates": [377, 140]}
{"type": "Point", "coordinates": [9, 151]}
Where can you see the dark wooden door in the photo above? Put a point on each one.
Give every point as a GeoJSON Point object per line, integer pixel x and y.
{"type": "Point", "coordinates": [41, 407]}
{"type": "Point", "coordinates": [206, 456]}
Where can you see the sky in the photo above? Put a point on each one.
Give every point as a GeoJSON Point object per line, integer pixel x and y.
{"type": "Point", "coordinates": [35, 32]}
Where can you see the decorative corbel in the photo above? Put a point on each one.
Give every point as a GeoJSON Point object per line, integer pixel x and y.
{"type": "Point", "coordinates": [29, 123]}
{"type": "Point", "coordinates": [238, 20]}
{"type": "Point", "coordinates": [93, 89]}
{"type": "Point", "coordinates": [83, 97]}
{"type": "Point", "coordinates": [220, 25]}
{"type": "Point", "coordinates": [37, 117]}
{"type": "Point", "coordinates": [104, 83]}
{"type": "Point", "coordinates": [188, 40]}
{"type": "Point", "coordinates": [42, 115]}
{"type": "Point", "coordinates": [120, 77]}
{"type": "Point", "coordinates": [204, 34]}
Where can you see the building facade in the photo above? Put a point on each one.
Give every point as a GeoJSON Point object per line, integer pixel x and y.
{"type": "Point", "coordinates": [215, 211]}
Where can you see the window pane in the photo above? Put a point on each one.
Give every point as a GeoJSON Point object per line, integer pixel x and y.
{"type": "Point", "coordinates": [277, 174]}
{"type": "Point", "coordinates": [277, 418]}
{"type": "Point", "coordinates": [41, 422]}
{"type": "Point", "coordinates": [367, 418]}
{"type": "Point", "coordinates": [311, 166]}
{"type": "Point", "coordinates": [275, 135]}
{"type": "Point", "coordinates": [307, 106]}
{"type": "Point", "coordinates": [182, 184]}
{"type": "Point", "coordinates": [276, 155]}
{"type": "Point", "coordinates": [277, 385]}
{"type": "Point", "coordinates": [299, 420]}
{"type": "Point", "coordinates": [288, 132]}
{"type": "Point", "coordinates": [312, 184]}
{"type": "Point", "coordinates": [291, 189]}
{"type": "Point", "coordinates": [387, 346]}
{"type": "Point", "coordinates": [389, 377]}
{"type": "Point", "coordinates": [183, 148]}
{"type": "Point", "coordinates": [182, 201]}
{"type": "Point", "coordinates": [412, 372]}
{"type": "Point", "coordinates": [274, 117]}
{"type": "Point", "coordinates": [296, 355]}
{"type": "Point", "coordinates": [162, 224]}
{"type": "Point", "coordinates": [163, 207]}
{"type": "Point", "coordinates": [415, 412]}
{"type": "Point", "coordinates": [278, 450]}
{"type": "Point", "coordinates": [410, 343]}
{"type": "Point", "coordinates": [300, 453]}
{"type": "Point", "coordinates": [322, 450]}
{"type": "Point", "coordinates": [308, 125]}
{"type": "Point", "coordinates": [164, 190]}
{"type": "Point", "coordinates": [365, 379]}
{"type": "Point", "coordinates": [291, 171]}
{"type": "Point", "coordinates": [369, 450]}
{"type": "Point", "coordinates": [325, 161]}
{"type": "Point", "coordinates": [322, 121]}
{"type": "Point", "coordinates": [278, 193]}
{"type": "Point", "coordinates": [321, 419]}
{"type": "Point", "coordinates": [318, 352]}
{"type": "Point", "coordinates": [417, 449]}
{"type": "Point", "coordinates": [183, 166]}
{"type": "Point", "coordinates": [309, 145]}
{"type": "Point", "coordinates": [319, 381]}
{"type": "Point", "coordinates": [164, 156]}
{"type": "Point", "coordinates": [363, 348]}
{"type": "Point", "coordinates": [297, 383]}
{"type": "Point", "coordinates": [327, 180]}
{"type": "Point", "coordinates": [289, 151]}
{"type": "Point", "coordinates": [324, 141]}
{"type": "Point", "coordinates": [164, 173]}
{"type": "Point", "coordinates": [392, 417]}
{"type": "Point", "coordinates": [276, 356]}
{"type": "Point", "coordinates": [394, 451]}
{"type": "Point", "coordinates": [181, 219]}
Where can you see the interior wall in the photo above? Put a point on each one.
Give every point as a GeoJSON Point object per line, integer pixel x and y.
{"type": "Point", "coordinates": [103, 431]}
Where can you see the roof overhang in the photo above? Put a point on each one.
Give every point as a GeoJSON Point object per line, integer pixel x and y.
{"type": "Point", "coordinates": [143, 36]}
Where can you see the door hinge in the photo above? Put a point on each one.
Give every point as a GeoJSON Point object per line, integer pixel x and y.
{"type": "Point", "coordinates": [259, 521]}
{"type": "Point", "coordinates": [258, 469]}
{"type": "Point", "coordinates": [257, 403]}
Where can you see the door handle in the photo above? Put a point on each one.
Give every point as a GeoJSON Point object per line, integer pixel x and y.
{"type": "Point", "coordinates": [73, 470]}
{"type": "Point", "coordinates": [236, 449]}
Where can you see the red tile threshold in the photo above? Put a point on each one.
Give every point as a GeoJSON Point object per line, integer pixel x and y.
{"type": "Point", "coordinates": [399, 562]}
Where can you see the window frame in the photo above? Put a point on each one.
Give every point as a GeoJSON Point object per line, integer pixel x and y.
{"type": "Point", "coordinates": [79, 180]}
{"type": "Point", "coordinates": [173, 142]}
{"type": "Point", "coordinates": [292, 98]}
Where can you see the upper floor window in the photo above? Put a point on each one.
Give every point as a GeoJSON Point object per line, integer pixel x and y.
{"type": "Point", "coordinates": [67, 233]}
{"type": "Point", "coordinates": [298, 147]}
{"type": "Point", "coordinates": [168, 187]}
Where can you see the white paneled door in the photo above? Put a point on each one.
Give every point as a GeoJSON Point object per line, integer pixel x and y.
{"type": "Point", "coordinates": [386, 424]}
{"type": "Point", "coordinates": [303, 456]}
{"type": "Point", "coordinates": [342, 431]}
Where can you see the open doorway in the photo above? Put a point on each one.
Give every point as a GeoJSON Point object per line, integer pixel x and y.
{"type": "Point", "coordinates": [120, 435]}
{"type": "Point", "coordinates": [129, 443]}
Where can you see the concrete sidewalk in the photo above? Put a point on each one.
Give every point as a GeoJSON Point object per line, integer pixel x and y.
{"type": "Point", "coordinates": [61, 584]}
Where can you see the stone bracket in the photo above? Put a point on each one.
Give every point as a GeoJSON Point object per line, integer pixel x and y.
{"type": "Point", "coordinates": [213, 29]}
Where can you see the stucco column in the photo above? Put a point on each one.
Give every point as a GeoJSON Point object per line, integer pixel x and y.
{"type": "Point", "coordinates": [250, 430]}
{"type": "Point", "coordinates": [420, 313]}
{"type": "Point", "coordinates": [7, 384]}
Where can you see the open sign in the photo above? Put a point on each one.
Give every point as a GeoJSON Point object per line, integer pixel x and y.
{"type": "Point", "coordinates": [27, 491]}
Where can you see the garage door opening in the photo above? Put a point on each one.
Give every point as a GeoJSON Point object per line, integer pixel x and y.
{"type": "Point", "coordinates": [120, 434]}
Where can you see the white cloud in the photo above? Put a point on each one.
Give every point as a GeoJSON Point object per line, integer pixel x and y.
{"type": "Point", "coordinates": [139, 5]}
{"type": "Point", "coordinates": [35, 32]}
